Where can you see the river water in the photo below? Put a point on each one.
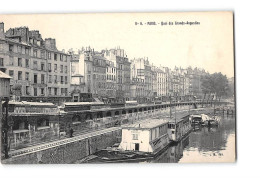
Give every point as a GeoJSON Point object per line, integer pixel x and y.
{"type": "Point", "coordinates": [204, 144]}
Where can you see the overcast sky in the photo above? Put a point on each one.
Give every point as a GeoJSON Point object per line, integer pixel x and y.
{"type": "Point", "coordinates": [208, 45]}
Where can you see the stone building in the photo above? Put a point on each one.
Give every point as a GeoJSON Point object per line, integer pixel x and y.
{"type": "Point", "coordinates": [111, 81]}
{"type": "Point", "coordinates": [161, 82]}
{"type": "Point", "coordinates": [137, 90]}
{"type": "Point", "coordinates": [88, 75]}
{"type": "Point", "coordinates": [123, 73]}
{"type": "Point", "coordinates": [99, 76]}
{"type": "Point", "coordinates": [39, 71]}
{"type": "Point", "coordinates": [141, 69]}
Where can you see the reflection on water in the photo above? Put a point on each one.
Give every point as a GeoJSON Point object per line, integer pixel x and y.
{"type": "Point", "coordinates": [204, 144]}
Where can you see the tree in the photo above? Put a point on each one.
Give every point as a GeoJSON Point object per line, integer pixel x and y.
{"type": "Point", "coordinates": [206, 85]}
{"type": "Point", "coordinates": [220, 84]}
{"type": "Point", "coordinates": [216, 83]}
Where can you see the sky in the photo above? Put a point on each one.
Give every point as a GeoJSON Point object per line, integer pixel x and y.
{"type": "Point", "coordinates": [208, 45]}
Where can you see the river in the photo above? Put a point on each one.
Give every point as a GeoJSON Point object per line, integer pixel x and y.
{"type": "Point", "coordinates": [204, 144]}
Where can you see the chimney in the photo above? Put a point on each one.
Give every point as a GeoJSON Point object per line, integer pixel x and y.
{"type": "Point", "coordinates": [50, 43]}
{"type": "Point", "coordinates": [2, 30]}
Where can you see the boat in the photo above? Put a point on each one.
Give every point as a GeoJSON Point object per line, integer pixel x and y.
{"type": "Point", "coordinates": [204, 120]}
{"type": "Point", "coordinates": [212, 121]}
{"type": "Point", "coordinates": [178, 129]}
{"type": "Point", "coordinates": [196, 119]}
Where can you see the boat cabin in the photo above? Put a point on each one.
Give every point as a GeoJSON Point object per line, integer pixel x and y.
{"type": "Point", "coordinates": [179, 128]}
{"type": "Point", "coordinates": [146, 136]}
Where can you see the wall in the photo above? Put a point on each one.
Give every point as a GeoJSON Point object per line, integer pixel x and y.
{"type": "Point", "coordinates": [67, 153]}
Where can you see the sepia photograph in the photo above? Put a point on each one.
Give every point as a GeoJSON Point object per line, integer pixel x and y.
{"type": "Point", "coordinates": [92, 88]}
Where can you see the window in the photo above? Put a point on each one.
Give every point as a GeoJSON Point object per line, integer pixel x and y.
{"type": "Point", "coordinates": [55, 67]}
{"type": "Point", "coordinates": [20, 62]}
{"type": "Point", "coordinates": [65, 58]}
{"type": "Point", "coordinates": [11, 48]}
{"type": "Point", "coordinates": [19, 48]}
{"type": "Point", "coordinates": [66, 91]}
{"type": "Point", "coordinates": [66, 80]}
{"type": "Point", "coordinates": [35, 65]}
{"type": "Point", "coordinates": [55, 91]}
{"type": "Point", "coordinates": [135, 136]}
{"type": "Point", "coordinates": [49, 89]}
{"type": "Point", "coordinates": [43, 54]}
{"type": "Point", "coordinates": [1, 62]}
{"type": "Point", "coordinates": [11, 60]}
{"type": "Point", "coordinates": [61, 79]}
{"type": "Point", "coordinates": [35, 91]}
{"type": "Point", "coordinates": [35, 53]}
{"type": "Point", "coordinates": [27, 51]}
{"type": "Point", "coordinates": [20, 75]}
{"type": "Point", "coordinates": [73, 69]}
{"type": "Point", "coordinates": [55, 56]}
{"type": "Point", "coordinates": [27, 63]}
{"type": "Point", "coordinates": [55, 79]}
{"type": "Point", "coordinates": [62, 91]}
{"type": "Point", "coordinates": [61, 57]}
{"type": "Point", "coordinates": [49, 55]}
{"type": "Point", "coordinates": [65, 69]}
{"type": "Point", "coordinates": [27, 76]}
{"type": "Point", "coordinates": [42, 91]}
{"type": "Point", "coordinates": [49, 67]}
{"type": "Point", "coordinates": [50, 78]}
{"type": "Point", "coordinates": [11, 73]}
{"type": "Point", "coordinates": [38, 42]}
{"type": "Point", "coordinates": [27, 90]}
{"type": "Point", "coordinates": [42, 79]}
{"type": "Point", "coordinates": [61, 68]}
{"type": "Point", "coordinates": [35, 78]}
{"type": "Point", "coordinates": [42, 67]}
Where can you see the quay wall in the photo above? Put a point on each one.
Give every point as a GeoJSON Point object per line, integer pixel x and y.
{"type": "Point", "coordinates": [68, 153]}
{"type": "Point", "coordinates": [76, 150]}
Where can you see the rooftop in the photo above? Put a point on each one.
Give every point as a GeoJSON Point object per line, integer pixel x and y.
{"type": "Point", "coordinates": [146, 124]}
{"type": "Point", "coordinates": [82, 103]}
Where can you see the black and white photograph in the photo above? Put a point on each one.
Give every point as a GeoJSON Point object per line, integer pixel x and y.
{"type": "Point", "coordinates": [117, 88]}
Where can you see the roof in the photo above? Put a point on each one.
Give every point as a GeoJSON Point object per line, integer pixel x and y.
{"type": "Point", "coordinates": [130, 102]}
{"type": "Point", "coordinates": [3, 75]}
{"type": "Point", "coordinates": [146, 124]}
{"type": "Point", "coordinates": [24, 103]}
{"type": "Point", "coordinates": [82, 103]}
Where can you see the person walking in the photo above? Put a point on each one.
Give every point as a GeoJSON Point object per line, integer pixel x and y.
{"type": "Point", "coordinates": [71, 132]}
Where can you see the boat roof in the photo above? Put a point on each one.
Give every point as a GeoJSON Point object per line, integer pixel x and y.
{"type": "Point", "coordinates": [172, 120]}
{"type": "Point", "coordinates": [25, 103]}
{"type": "Point", "coordinates": [82, 103]}
{"type": "Point", "coordinates": [146, 124]}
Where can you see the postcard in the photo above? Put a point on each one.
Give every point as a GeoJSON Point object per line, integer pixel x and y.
{"type": "Point", "coordinates": [117, 88]}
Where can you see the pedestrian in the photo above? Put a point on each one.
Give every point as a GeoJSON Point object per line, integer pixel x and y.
{"type": "Point", "coordinates": [71, 132]}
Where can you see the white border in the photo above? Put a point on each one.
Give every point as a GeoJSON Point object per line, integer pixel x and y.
{"type": "Point", "coordinates": [247, 73]}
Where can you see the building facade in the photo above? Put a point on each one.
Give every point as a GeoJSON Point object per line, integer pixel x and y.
{"type": "Point", "coordinates": [141, 69]}
{"type": "Point", "coordinates": [123, 72]}
{"type": "Point", "coordinates": [39, 71]}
